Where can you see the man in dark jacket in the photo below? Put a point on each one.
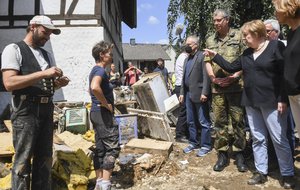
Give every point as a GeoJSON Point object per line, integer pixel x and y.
{"type": "Point", "coordinates": [195, 90]}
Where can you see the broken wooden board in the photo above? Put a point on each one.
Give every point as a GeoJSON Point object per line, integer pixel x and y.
{"type": "Point", "coordinates": [75, 142]}
{"type": "Point", "coordinates": [6, 141]}
{"type": "Point", "coordinates": [141, 146]}
{"type": "Point", "coordinates": [153, 124]}
{"type": "Point", "coordinates": [8, 125]}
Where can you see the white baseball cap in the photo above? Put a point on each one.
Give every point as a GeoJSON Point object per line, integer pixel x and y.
{"type": "Point", "coordinates": [46, 22]}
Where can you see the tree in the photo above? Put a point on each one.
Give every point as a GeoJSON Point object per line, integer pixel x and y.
{"type": "Point", "coordinates": [198, 14]}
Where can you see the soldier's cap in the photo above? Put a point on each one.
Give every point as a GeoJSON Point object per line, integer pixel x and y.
{"type": "Point", "coordinates": [46, 22]}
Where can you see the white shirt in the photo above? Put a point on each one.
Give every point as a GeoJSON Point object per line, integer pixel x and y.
{"type": "Point", "coordinates": [12, 58]}
{"type": "Point", "coordinates": [179, 68]}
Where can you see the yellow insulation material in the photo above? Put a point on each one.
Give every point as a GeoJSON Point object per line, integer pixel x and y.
{"type": "Point", "coordinates": [5, 183]}
{"type": "Point", "coordinates": [89, 136]}
{"type": "Point", "coordinates": [73, 168]}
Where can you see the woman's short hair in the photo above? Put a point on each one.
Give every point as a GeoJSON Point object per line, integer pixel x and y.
{"type": "Point", "coordinates": [290, 8]}
{"type": "Point", "coordinates": [101, 47]}
{"type": "Point", "coordinates": [256, 28]}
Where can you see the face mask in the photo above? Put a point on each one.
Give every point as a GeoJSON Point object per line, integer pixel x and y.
{"type": "Point", "coordinates": [188, 49]}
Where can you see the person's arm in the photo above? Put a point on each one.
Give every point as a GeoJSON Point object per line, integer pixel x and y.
{"type": "Point", "coordinates": [97, 91]}
{"type": "Point", "coordinates": [206, 84]}
{"type": "Point", "coordinates": [138, 71]}
{"type": "Point", "coordinates": [210, 71]}
{"type": "Point", "coordinates": [283, 97]}
{"type": "Point", "coordinates": [13, 81]}
{"type": "Point", "coordinates": [127, 70]}
{"type": "Point", "coordinates": [233, 67]}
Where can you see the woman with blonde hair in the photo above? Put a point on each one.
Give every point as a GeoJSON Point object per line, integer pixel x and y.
{"type": "Point", "coordinates": [288, 12]}
{"type": "Point", "coordinates": [264, 99]}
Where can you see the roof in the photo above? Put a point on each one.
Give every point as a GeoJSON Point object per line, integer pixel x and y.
{"type": "Point", "coordinates": [129, 9]}
{"type": "Point", "coordinates": [146, 52]}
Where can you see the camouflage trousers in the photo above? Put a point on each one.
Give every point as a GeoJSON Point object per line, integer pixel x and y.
{"type": "Point", "coordinates": [32, 139]}
{"type": "Point", "coordinates": [229, 122]}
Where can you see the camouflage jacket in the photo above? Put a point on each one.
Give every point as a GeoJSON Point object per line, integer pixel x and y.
{"type": "Point", "coordinates": [231, 47]}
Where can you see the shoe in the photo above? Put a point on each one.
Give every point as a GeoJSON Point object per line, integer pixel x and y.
{"type": "Point", "coordinates": [106, 185]}
{"type": "Point", "coordinates": [189, 149]}
{"type": "Point", "coordinates": [203, 151]}
{"type": "Point", "coordinates": [257, 178]}
{"type": "Point", "coordinates": [222, 161]}
{"type": "Point", "coordinates": [97, 187]}
{"type": "Point", "coordinates": [288, 182]}
{"type": "Point", "coordinates": [98, 184]}
{"type": "Point", "coordinates": [182, 140]}
{"type": "Point", "coordinates": [240, 162]}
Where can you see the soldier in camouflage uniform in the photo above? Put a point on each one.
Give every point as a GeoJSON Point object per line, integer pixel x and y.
{"type": "Point", "coordinates": [226, 92]}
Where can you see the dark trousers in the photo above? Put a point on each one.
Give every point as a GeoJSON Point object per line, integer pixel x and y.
{"type": "Point", "coordinates": [32, 139]}
{"type": "Point", "coordinates": [107, 139]}
{"type": "Point", "coordinates": [181, 125]}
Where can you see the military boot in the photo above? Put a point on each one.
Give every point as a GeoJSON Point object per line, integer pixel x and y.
{"type": "Point", "coordinates": [240, 162]}
{"type": "Point", "coordinates": [222, 162]}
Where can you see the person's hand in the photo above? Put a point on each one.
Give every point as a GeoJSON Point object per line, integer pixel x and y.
{"type": "Point", "coordinates": [281, 107]}
{"type": "Point", "coordinates": [203, 98]}
{"type": "Point", "coordinates": [61, 81]}
{"type": "Point", "coordinates": [53, 72]}
{"type": "Point", "coordinates": [109, 107]}
{"type": "Point", "coordinates": [181, 99]}
{"type": "Point", "coordinates": [209, 53]}
{"type": "Point", "coordinates": [223, 82]}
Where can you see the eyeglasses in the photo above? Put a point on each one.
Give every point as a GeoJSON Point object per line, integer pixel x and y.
{"type": "Point", "coordinates": [269, 31]}
{"type": "Point", "coordinates": [219, 20]}
{"type": "Point", "coordinates": [191, 44]}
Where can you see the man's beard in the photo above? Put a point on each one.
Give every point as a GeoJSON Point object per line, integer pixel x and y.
{"type": "Point", "coordinates": [38, 40]}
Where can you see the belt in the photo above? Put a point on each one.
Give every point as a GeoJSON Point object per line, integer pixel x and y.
{"type": "Point", "coordinates": [36, 99]}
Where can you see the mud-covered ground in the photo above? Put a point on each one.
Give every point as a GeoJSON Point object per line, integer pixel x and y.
{"type": "Point", "coordinates": [189, 172]}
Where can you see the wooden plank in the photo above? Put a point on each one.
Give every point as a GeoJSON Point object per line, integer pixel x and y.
{"type": "Point", "coordinates": [141, 146]}
{"type": "Point", "coordinates": [75, 141]}
{"type": "Point", "coordinates": [153, 124]}
{"type": "Point", "coordinates": [8, 125]}
{"type": "Point", "coordinates": [6, 143]}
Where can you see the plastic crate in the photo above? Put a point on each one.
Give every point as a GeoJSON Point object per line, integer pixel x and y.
{"type": "Point", "coordinates": [127, 124]}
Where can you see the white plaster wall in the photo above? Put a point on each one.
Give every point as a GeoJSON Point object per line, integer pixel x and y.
{"type": "Point", "coordinates": [72, 50]}
{"type": "Point", "coordinates": [170, 64]}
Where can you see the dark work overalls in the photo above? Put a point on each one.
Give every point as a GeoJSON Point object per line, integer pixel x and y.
{"type": "Point", "coordinates": [32, 121]}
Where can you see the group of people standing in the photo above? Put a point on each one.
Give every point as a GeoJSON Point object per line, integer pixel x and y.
{"type": "Point", "coordinates": [252, 79]}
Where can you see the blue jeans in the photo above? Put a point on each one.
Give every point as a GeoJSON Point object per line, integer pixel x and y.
{"type": "Point", "coordinates": [198, 116]}
{"type": "Point", "coordinates": [264, 120]}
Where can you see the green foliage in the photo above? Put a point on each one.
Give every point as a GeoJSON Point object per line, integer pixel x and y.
{"type": "Point", "coordinates": [197, 15]}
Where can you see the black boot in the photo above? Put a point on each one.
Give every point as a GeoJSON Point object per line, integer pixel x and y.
{"type": "Point", "coordinates": [240, 162]}
{"type": "Point", "coordinates": [222, 162]}
{"type": "Point", "coordinates": [257, 178]}
{"type": "Point", "coordinates": [288, 182]}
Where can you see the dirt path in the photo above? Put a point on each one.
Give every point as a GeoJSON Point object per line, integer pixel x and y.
{"type": "Point", "coordinates": [189, 172]}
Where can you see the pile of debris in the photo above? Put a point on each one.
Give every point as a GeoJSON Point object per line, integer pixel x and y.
{"type": "Point", "coordinates": [72, 166]}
